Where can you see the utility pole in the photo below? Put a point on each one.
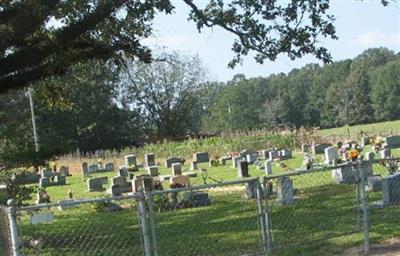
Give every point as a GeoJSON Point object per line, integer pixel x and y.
{"type": "Point", "coordinates": [35, 136]}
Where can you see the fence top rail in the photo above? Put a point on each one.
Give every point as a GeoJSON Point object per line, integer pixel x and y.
{"type": "Point", "coordinates": [304, 171]}
{"type": "Point", "coordinates": [206, 186]}
{"type": "Point", "coordinates": [76, 202]}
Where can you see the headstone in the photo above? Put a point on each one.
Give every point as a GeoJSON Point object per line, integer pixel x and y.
{"type": "Point", "coordinates": [95, 184]}
{"type": "Point", "coordinates": [193, 166]}
{"type": "Point", "coordinates": [201, 157]}
{"type": "Point", "coordinates": [196, 198]}
{"type": "Point", "coordinates": [268, 167]}
{"type": "Point", "coordinates": [374, 183]}
{"type": "Point", "coordinates": [109, 167]}
{"type": "Point", "coordinates": [130, 160]}
{"type": "Point", "coordinates": [149, 160]}
{"type": "Point", "coordinates": [370, 156]}
{"type": "Point", "coordinates": [235, 160]}
{"type": "Point", "coordinates": [46, 173]}
{"type": "Point", "coordinates": [123, 172]}
{"type": "Point", "coordinates": [64, 171]}
{"type": "Point", "coordinates": [391, 189]}
{"type": "Point", "coordinates": [224, 159]}
{"type": "Point", "coordinates": [44, 182]}
{"type": "Point", "coordinates": [243, 169]}
{"type": "Point", "coordinates": [331, 155]}
{"type": "Point", "coordinates": [180, 179]}
{"type": "Point", "coordinates": [152, 171]}
{"type": "Point", "coordinates": [176, 169]}
{"type": "Point", "coordinates": [251, 189]}
{"type": "Point", "coordinates": [265, 153]}
{"type": "Point", "coordinates": [319, 148]}
{"type": "Point", "coordinates": [119, 180]}
{"type": "Point", "coordinates": [285, 154]}
{"type": "Point", "coordinates": [251, 158]}
{"type": "Point", "coordinates": [26, 178]}
{"type": "Point", "coordinates": [392, 141]}
{"type": "Point", "coordinates": [285, 191]}
{"type": "Point", "coordinates": [120, 185]}
{"type": "Point", "coordinates": [385, 153]}
{"type": "Point", "coordinates": [172, 160]}
{"type": "Point", "coordinates": [93, 168]}
{"type": "Point", "coordinates": [344, 174]}
{"type": "Point", "coordinates": [273, 154]}
{"type": "Point", "coordinates": [85, 169]}
{"type": "Point", "coordinates": [142, 182]}
{"type": "Point", "coordinates": [244, 153]}
{"type": "Point", "coordinates": [60, 180]}
{"type": "Point", "coordinates": [305, 148]}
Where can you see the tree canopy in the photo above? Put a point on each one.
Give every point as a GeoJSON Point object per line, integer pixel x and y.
{"type": "Point", "coordinates": [43, 38]}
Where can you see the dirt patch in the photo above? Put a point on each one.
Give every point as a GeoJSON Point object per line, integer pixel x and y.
{"type": "Point", "coordinates": [388, 248]}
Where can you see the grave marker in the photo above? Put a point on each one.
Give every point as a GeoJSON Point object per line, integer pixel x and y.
{"type": "Point", "coordinates": [176, 169]}
{"type": "Point", "coordinates": [130, 160]}
{"type": "Point", "coordinates": [243, 169]}
{"type": "Point", "coordinates": [201, 157]}
{"type": "Point", "coordinates": [149, 160]}
{"type": "Point", "coordinates": [285, 191]}
{"type": "Point", "coordinates": [268, 167]}
{"type": "Point", "coordinates": [331, 155]}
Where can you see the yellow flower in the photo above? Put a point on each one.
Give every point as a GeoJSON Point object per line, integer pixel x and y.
{"type": "Point", "coordinates": [353, 154]}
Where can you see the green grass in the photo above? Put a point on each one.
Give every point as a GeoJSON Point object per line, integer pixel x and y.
{"type": "Point", "coordinates": [355, 131]}
{"type": "Point", "coordinates": [227, 227]}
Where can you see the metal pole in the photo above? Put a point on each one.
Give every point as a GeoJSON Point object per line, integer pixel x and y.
{"type": "Point", "coordinates": [35, 136]}
{"type": "Point", "coordinates": [152, 224]}
{"type": "Point", "coordinates": [143, 223]}
{"type": "Point", "coordinates": [12, 216]}
{"type": "Point", "coordinates": [261, 216]}
{"type": "Point", "coordinates": [267, 217]}
{"type": "Point", "coordinates": [364, 204]}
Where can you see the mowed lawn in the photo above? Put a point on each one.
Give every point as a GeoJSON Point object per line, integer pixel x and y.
{"type": "Point", "coordinates": [229, 226]}
{"type": "Point", "coordinates": [355, 131]}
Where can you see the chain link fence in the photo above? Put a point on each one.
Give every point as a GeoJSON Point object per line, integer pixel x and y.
{"type": "Point", "coordinates": [384, 206]}
{"type": "Point", "coordinates": [218, 219]}
{"type": "Point", "coordinates": [104, 226]}
{"type": "Point", "coordinates": [5, 235]}
{"type": "Point", "coordinates": [308, 208]}
{"type": "Point", "coordinates": [304, 212]}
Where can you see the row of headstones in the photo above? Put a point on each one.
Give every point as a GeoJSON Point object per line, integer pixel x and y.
{"type": "Point", "coordinates": [49, 178]}
{"type": "Point", "coordinates": [345, 174]}
{"type": "Point", "coordinates": [123, 184]}
{"type": "Point", "coordinates": [332, 155]}
{"type": "Point", "coordinates": [94, 168]}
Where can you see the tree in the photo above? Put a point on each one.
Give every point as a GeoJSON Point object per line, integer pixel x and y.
{"type": "Point", "coordinates": [43, 38]}
{"type": "Point", "coordinates": [84, 114]}
{"type": "Point", "coordinates": [167, 92]}
{"type": "Point", "coordinates": [385, 96]}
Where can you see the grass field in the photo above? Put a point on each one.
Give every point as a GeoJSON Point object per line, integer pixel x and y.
{"type": "Point", "coordinates": [227, 227]}
{"type": "Point", "coordinates": [356, 130]}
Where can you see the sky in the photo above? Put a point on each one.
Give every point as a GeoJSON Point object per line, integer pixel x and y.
{"type": "Point", "coordinates": [359, 25]}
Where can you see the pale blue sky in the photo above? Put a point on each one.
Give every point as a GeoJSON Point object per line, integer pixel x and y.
{"type": "Point", "coordinates": [359, 25]}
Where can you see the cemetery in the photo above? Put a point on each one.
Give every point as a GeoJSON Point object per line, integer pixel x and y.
{"type": "Point", "coordinates": [289, 195]}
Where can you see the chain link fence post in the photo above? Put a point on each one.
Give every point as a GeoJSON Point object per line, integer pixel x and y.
{"type": "Point", "coordinates": [143, 223]}
{"type": "Point", "coordinates": [261, 215]}
{"type": "Point", "coordinates": [364, 204]}
{"type": "Point", "coordinates": [153, 228]}
{"type": "Point", "coordinates": [267, 217]}
{"type": "Point", "coordinates": [12, 215]}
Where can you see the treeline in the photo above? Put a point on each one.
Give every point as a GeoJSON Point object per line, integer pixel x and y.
{"type": "Point", "coordinates": [96, 105]}
{"type": "Point", "coordinates": [363, 90]}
